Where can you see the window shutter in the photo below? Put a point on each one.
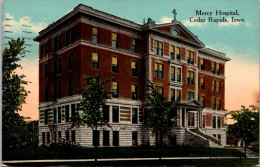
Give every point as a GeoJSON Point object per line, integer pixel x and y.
{"type": "Point", "coordinates": [208, 121]}
{"type": "Point", "coordinates": [114, 36]}
{"type": "Point", "coordinates": [94, 31]}
{"type": "Point", "coordinates": [114, 60]}
{"type": "Point", "coordinates": [95, 56]}
{"type": "Point", "coordinates": [133, 64]}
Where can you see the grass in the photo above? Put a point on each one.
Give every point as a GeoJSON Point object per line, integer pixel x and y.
{"type": "Point", "coordinates": [118, 152]}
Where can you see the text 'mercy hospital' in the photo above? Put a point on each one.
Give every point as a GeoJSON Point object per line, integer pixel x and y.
{"type": "Point", "coordinates": [220, 16]}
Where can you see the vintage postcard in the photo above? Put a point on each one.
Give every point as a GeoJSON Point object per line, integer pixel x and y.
{"type": "Point", "coordinates": [130, 83]}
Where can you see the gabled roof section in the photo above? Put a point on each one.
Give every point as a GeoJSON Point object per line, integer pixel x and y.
{"type": "Point", "coordinates": [177, 30]}
{"type": "Point", "coordinates": [191, 103]}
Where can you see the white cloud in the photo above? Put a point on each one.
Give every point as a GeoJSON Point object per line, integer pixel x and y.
{"type": "Point", "coordinates": [230, 23]}
{"type": "Point", "coordinates": [24, 24]}
{"type": "Point", "coordinates": [188, 23]}
{"type": "Point", "coordinates": [166, 19]}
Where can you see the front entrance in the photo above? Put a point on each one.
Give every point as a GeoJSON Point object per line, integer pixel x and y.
{"type": "Point", "coordinates": [191, 119]}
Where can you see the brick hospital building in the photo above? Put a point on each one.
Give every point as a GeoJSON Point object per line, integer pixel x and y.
{"type": "Point", "coordinates": [89, 42]}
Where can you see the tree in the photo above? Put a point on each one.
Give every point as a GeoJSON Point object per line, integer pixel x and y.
{"type": "Point", "coordinates": [94, 98]}
{"type": "Point", "coordinates": [246, 126]}
{"type": "Point", "coordinates": [157, 116]}
{"type": "Point", "coordinates": [14, 94]}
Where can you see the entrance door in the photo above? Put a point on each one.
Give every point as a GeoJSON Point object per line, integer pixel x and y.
{"type": "Point", "coordinates": [191, 119]}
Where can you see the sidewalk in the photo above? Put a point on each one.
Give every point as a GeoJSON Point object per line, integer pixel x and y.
{"type": "Point", "coordinates": [12, 162]}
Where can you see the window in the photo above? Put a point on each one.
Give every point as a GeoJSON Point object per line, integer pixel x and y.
{"type": "Point", "coordinates": [41, 51]}
{"type": "Point", "coordinates": [133, 48]}
{"type": "Point", "coordinates": [114, 64]}
{"type": "Point", "coordinates": [190, 57]}
{"type": "Point", "coordinates": [69, 61]}
{"type": "Point", "coordinates": [55, 44]}
{"type": "Point", "coordinates": [172, 74]}
{"type": "Point", "coordinates": [134, 68]}
{"type": "Point", "coordinates": [201, 64]}
{"type": "Point", "coordinates": [202, 100]}
{"type": "Point", "coordinates": [68, 37]}
{"type": "Point", "coordinates": [95, 35]}
{"type": "Point", "coordinates": [178, 55]}
{"type": "Point", "coordinates": [213, 85]}
{"type": "Point", "coordinates": [70, 87]}
{"type": "Point", "coordinates": [105, 138]}
{"type": "Point", "coordinates": [54, 115]}
{"type": "Point", "coordinates": [67, 113]}
{"type": "Point", "coordinates": [46, 47]}
{"type": "Point", "coordinates": [55, 91]}
{"type": "Point", "coordinates": [73, 136]}
{"type": "Point", "coordinates": [213, 103]}
{"type": "Point", "coordinates": [158, 70]}
{"type": "Point", "coordinates": [115, 138]}
{"type": "Point", "coordinates": [43, 138]}
{"type": "Point", "coordinates": [178, 75]}
{"type": "Point", "coordinates": [114, 40]}
{"type": "Point", "coordinates": [213, 67]}
{"type": "Point", "coordinates": [218, 121]}
{"type": "Point", "coordinates": [218, 104]}
{"type": "Point", "coordinates": [134, 139]}
{"type": "Point", "coordinates": [172, 52]}
{"type": "Point", "coordinates": [190, 95]}
{"type": "Point", "coordinates": [45, 117]}
{"type": "Point", "coordinates": [158, 48]}
{"type": "Point", "coordinates": [67, 135]}
{"type": "Point", "coordinates": [59, 65]}
{"type": "Point", "coordinates": [73, 110]}
{"type": "Point", "coordinates": [54, 136]}
{"type": "Point", "coordinates": [59, 114]}
{"type": "Point", "coordinates": [134, 91]}
{"type": "Point", "coordinates": [59, 90]}
{"type": "Point", "coordinates": [115, 113]}
{"type": "Point", "coordinates": [203, 121]}
{"type": "Point", "coordinates": [95, 138]}
{"type": "Point", "coordinates": [59, 134]}
{"type": "Point", "coordinates": [134, 115]}
{"type": "Point", "coordinates": [217, 68]}
{"type": "Point", "coordinates": [178, 97]}
{"type": "Point", "coordinates": [46, 71]}
{"type": "Point", "coordinates": [219, 137]}
{"type": "Point", "coordinates": [218, 86]}
{"type": "Point", "coordinates": [95, 61]}
{"type": "Point", "coordinates": [60, 42]}
{"type": "Point", "coordinates": [106, 113]}
{"type": "Point", "coordinates": [46, 93]}
{"type": "Point", "coordinates": [159, 89]}
{"type": "Point", "coordinates": [55, 66]}
{"type": "Point", "coordinates": [72, 35]}
{"type": "Point", "coordinates": [190, 77]}
{"type": "Point", "coordinates": [213, 121]}
{"type": "Point", "coordinates": [214, 135]}
{"type": "Point", "coordinates": [48, 137]}
{"type": "Point", "coordinates": [172, 94]}
{"type": "Point", "coordinates": [202, 82]}
{"type": "Point", "coordinates": [114, 89]}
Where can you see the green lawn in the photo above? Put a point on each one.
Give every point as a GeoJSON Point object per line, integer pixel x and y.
{"type": "Point", "coordinates": [119, 152]}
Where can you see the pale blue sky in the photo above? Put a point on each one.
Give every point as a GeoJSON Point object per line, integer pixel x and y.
{"type": "Point", "coordinates": [241, 38]}
{"type": "Point", "coordinates": [240, 41]}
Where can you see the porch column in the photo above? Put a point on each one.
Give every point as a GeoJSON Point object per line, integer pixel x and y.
{"type": "Point", "coordinates": [186, 117]}
{"type": "Point", "coordinates": [180, 117]}
{"type": "Point", "coordinates": [198, 118]}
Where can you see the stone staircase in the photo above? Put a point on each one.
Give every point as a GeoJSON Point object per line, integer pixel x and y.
{"type": "Point", "coordinates": [249, 153]}
{"type": "Point", "coordinates": [213, 142]}
{"type": "Point", "coordinates": [194, 139]}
